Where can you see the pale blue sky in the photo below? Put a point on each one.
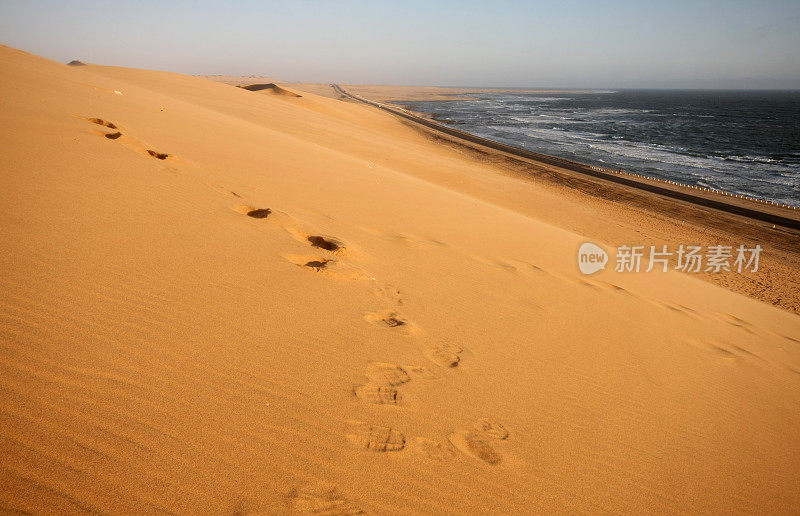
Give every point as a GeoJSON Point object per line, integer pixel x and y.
{"type": "Point", "coordinates": [578, 44]}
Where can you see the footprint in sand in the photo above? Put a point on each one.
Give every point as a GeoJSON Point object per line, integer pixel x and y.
{"type": "Point", "coordinates": [105, 123]}
{"type": "Point", "coordinates": [473, 445]}
{"type": "Point", "coordinates": [383, 380]}
{"type": "Point", "coordinates": [329, 266]}
{"type": "Point", "coordinates": [381, 388]}
{"type": "Point", "coordinates": [317, 265]}
{"type": "Point", "coordinates": [322, 498]}
{"type": "Point", "coordinates": [378, 394]}
{"type": "Point", "coordinates": [117, 134]}
{"type": "Point", "coordinates": [445, 355]}
{"type": "Point", "coordinates": [100, 121]}
{"type": "Point", "coordinates": [386, 374]}
{"type": "Point", "coordinates": [374, 437]}
{"type": "Point", "coordinates": [326, 243]}
{"type": "Point", "coordinates": [387, 319]}
{"type": "Point", "coordinates": [259, 213]}
{"type": "Point", "coordinates": [157, 155]}
{"type": "Point", "coordinates": [480, 441]}
{"type": "Point", "coordinates": [391, 319]}
{"type": "Point", "coordinates": [253, 211]}
{"type": "Point", "coordinates": [329, 244]}
{"type": "Point", "coordinates": [391, 294]}
{"type": "Point", "coordinates": [338, 266]}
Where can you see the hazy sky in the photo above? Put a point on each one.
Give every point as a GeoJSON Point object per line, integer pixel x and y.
{"type": "Point", "coordinates": [579, 44]}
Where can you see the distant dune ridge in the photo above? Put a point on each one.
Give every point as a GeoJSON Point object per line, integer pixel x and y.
{"type": "Point", "coordinates": [270, 88]}
{"type": "Point", "coordinates": [215, 301]}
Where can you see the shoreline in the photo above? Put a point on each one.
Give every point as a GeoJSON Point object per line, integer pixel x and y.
{"type": "Point", "coordinates": [750, 207]}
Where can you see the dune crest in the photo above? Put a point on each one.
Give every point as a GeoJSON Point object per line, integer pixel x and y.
{"type": "Point", "coordinates": [270, 88]}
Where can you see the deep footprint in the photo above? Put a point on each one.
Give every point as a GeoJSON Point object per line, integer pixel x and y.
{"type": "Point", "coordinates": [100, 121]}
{"type": "Point", "coordinates": [259, 213]}
{"type": "Point", "coordinates": [375, 438]}
{"type": "Point", "coordinates": [327, 244]}
{"type": "Point", "coordinates": [317, 265]}
{"type": "Point", "coordinates": [158, 155]}
{"type": "Point", "coordinates": [113, 136]}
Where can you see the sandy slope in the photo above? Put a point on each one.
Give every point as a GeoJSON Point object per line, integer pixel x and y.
{"type": "Point", "coordinates": [431, 352]}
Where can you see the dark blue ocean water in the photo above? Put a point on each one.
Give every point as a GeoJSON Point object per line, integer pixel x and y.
{"type": "Point", "coordinates": [745, 142]}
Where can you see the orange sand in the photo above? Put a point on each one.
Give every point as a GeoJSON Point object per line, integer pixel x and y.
{"type": "Point", "coordinates": [388, 334]}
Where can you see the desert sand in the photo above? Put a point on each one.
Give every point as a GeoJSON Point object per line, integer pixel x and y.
{"type": "Point", "coordinates": [217, 300]}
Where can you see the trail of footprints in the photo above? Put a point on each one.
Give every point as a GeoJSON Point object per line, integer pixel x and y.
{"type": "Point", "coordinates": [482, 441]}
{"type": "Point", "coordinates": [383, 380]}
{"type": "Point", "coordinates": [382, 388]}
{"type": "Point", "coordinates": [117, 134]}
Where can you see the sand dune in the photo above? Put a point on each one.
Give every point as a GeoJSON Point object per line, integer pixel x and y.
{"type": "Point", "coordinates": [270, 88]}
{"type": "Point", "coordinates": [215, 301]}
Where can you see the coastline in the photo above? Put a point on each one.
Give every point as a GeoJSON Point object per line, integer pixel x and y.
{"type": "Point", "coordinates": [275, 302]}
{"type": "Point", "coordinates": [749, 207]}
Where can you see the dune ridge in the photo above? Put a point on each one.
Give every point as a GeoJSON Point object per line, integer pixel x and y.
{"type": "Point", "coordinates": [270, 88]}
{"type": "Point", "coordinates": [312, 307]}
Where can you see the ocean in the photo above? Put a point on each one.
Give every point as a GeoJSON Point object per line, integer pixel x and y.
{"type": "Point", "coordinates": [742, 142]}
